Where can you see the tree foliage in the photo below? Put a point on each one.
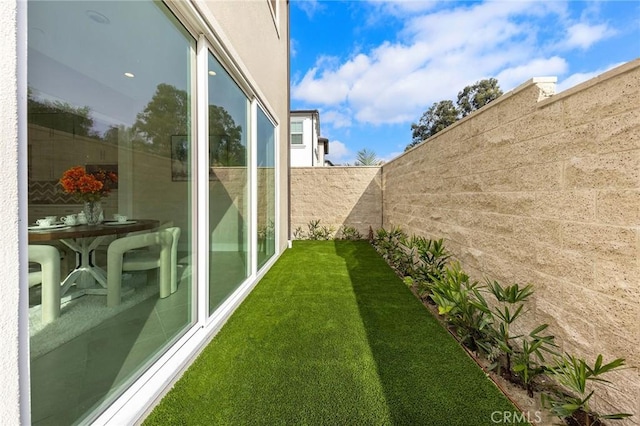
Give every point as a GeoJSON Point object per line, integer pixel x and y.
{"type": "Point", "coordinates": [225, 139]}
{"type": "Point", "coordinates": [166, 115]}
{"type": "Point", "coordinates": [60, 116]}
{"type": "Point", "coordinates": [366, 157]}
{"type": "Point", "coordinates": [444, 113]}
{"type": "Point", "coordinates": [477, 95]}
{"type": "Point", "coordinates": [439, 116]}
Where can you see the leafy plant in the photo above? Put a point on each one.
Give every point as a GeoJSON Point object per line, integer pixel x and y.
{"type": "Point", "coordinates": [455, 296]}
{"type": "Point", "coordinates": [432, 260]}
{"type": "Point", "coordinates": [317, 232]}
{"type": "Point", "coordinates": [528, 362]}
{"type": "Point", "coordinates": [510, 305]}
{"type": "Point", "coordinates": [388, 244]}
{"type": "Point", "coordinates": [349, 233]}
{"type": "Point", "coordinates": [575, 374]}
{"type": "Point", "coordinates": [298, 233]}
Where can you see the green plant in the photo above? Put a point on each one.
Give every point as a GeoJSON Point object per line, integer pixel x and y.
{"type": "Point", "coordinates": [349, 233]}
{"type": "Point", "coordinates": [388, 244]}
{"type": "Point", "coordinates": [510, 305]}
{"type": "Point", "coordinates": [455, 296]}
{"type": "Point", "coordinates": [528, 362]}
{"type": "Point", "coordinates": [432, 260]}
{"type": "Point", "coordinates": [317, 232]}
{"type": "Point", "coordinates": [574, 374]}
{"type": "Point", "coordinates": [298, 233]}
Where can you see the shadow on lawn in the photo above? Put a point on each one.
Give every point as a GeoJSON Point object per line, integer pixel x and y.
{"type": "Point", "coordinates": [426, 377]}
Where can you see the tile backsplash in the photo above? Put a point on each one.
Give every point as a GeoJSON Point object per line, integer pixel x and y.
{"type": "Point", "coordinates": [48, 192]}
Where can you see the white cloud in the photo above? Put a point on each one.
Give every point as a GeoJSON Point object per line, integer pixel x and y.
{"type": "Point", "coordinates": [336, 119]}
{"type": "Point", "coordinates": [339, 153]}
{"type": "Point", "coordinates": [439, 51]}
{"type": "Point", "coordinates": [292, 48]}
{"type": "Point", "coordinates": [584, 36]}
{"type": "Point", "coordinates": [577, 78]}
{"type": "Point", "coordinates": [396, 81]}
{"type": "Point", "coordinates": [309, 7]}
{"type": "Point", "coordinates": [514, 76]}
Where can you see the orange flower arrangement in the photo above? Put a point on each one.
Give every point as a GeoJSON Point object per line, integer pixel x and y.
{"type": "Point", "coordinates": [87, 186]}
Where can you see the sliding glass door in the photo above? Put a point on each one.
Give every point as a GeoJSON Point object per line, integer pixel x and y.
{"type": "Point", "coordinates": [110, 95]}
{"type": "Point", "coordinates": [266, 198]}
{"type": "Point", "coordinates": [111, 107]}
{"type": "Point", "coordinates": [229, 262]}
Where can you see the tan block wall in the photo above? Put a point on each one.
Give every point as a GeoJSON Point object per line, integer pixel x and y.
{"type": "Point", "coordinates": [337, 196]}
{"type": "Point", "coordinates": [544, 192]}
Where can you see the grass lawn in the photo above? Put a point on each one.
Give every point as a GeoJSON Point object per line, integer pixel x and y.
{"type": "Point", "coordinates": [332, 336]}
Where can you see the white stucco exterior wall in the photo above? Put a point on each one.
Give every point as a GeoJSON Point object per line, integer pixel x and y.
{"type": "Point", "coordinates": [309, 153]}
{"type": "Point", "coordinates": [301, 154]}
{"type": "Point", "coordinates": [14, 408]}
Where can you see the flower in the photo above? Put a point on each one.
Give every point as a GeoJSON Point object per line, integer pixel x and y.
{"type": "Point", "coordinates": [87, 186]}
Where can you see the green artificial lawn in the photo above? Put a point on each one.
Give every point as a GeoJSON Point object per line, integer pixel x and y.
{"type": "Point", "coordinates": [332, 336]}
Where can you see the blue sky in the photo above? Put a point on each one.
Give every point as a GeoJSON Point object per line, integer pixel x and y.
{"type": "Point", "coordinates": [373, 67]}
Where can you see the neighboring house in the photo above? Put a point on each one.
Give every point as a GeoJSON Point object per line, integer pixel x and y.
{"type": "Point", "coordinates": [187, 102]}
{"type": "Point", "coordinates": [307, 147]}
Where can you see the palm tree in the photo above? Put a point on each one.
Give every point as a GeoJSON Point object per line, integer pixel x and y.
{"type": "Point", "coordinates": [364, 157]}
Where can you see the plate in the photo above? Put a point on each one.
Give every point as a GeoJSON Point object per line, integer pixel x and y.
{"type": "Point", "coordinates": [48, 228]}
{"type": "Point", "coordinates": [114, 223]}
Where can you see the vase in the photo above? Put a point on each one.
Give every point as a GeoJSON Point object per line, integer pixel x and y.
{"type": "Point", "coordinates": [93, 212]}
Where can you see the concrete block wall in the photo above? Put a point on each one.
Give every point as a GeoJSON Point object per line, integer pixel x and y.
{"type": "Point", "coordinates": [336, 196]}
{"type": "Point", "coordinates": [544, 189]}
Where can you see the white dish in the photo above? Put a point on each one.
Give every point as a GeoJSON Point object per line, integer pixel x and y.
{"type": "Point", "coordinates": [48, 228]}
{"type": "Point", "coordinates": [114, 223]}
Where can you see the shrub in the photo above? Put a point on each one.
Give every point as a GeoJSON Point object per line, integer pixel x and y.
{"type": "Point", "coordinates": [456, 298]}
{"type": "Point", "coordinates": [575, 374]}
{"type": "Point", "coordinates": [348, 233]}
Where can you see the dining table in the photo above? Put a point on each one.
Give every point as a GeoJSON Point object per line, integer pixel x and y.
{"type": "Point", "coordinates": [88, 277]}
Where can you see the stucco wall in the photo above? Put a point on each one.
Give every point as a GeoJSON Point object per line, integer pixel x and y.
{"type": "Point", "coordinates": [544, 192]}
{"type": "Point", "coordinates": [336, 196]}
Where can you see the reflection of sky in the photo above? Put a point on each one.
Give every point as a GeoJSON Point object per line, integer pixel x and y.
{"type": "Point", "coordinates": [266, 130]}
{"type": "Point", "coordinates": [225, 93]}
{"type": "Point", "coordinates": [74, 59]}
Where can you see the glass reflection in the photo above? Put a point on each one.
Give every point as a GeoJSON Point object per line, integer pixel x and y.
{"type": "Point", "coordinates": [109, 89]}
{"type": "Point", "coordinates": [266, 189]}
{"type": "Point", "coordinates": [228, 185]}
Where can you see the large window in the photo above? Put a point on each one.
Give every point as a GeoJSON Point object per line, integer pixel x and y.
{"type": "Point", "coordinates": [228, 185]}
{"type": "Point", "coordinates": [111, 185]}
{"type": "Point", "coordinates": [110, 95]}
{"type": "Point", "coordinates": [266, 188]}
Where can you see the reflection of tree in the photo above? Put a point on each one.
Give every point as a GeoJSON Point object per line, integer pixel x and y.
{"type": "Point", "coordinates": [165, 115]}
{"type": "Point", "coordinates": [225, 139]}
{"type": "Point", "coordinates": [121, 135]}
{"type": "Point", "coordinates": [60, 116]}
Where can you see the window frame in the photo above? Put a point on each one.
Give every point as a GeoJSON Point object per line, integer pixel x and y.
{"type": "Point", "coordinates": [292, 133]}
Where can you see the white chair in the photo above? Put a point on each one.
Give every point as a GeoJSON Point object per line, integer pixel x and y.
{"type": "Point", "coordinates": [49, 275]}
{"type": "Point", "coordinates": [122, 256]}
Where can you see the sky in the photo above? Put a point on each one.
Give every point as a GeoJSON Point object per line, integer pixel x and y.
{"type": "Point", "coordinates": [372, 68]}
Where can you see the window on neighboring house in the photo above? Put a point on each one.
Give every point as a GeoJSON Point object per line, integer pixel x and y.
{"type": "Point", "coordinates": [296, 133]}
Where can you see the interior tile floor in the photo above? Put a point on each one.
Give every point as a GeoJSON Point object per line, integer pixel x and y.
{"type": "Point", "coordinates": [69, 381]}
{"type": "Point", "coordinates": [73, 379]}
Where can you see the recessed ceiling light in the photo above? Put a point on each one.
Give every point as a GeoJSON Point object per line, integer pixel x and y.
{"type": "Point", "coordinates": [129, 74]}
{"type": "Point", "coordinates": [97, 17]}
{"type": "Point", "coordinates": [212, 73]}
